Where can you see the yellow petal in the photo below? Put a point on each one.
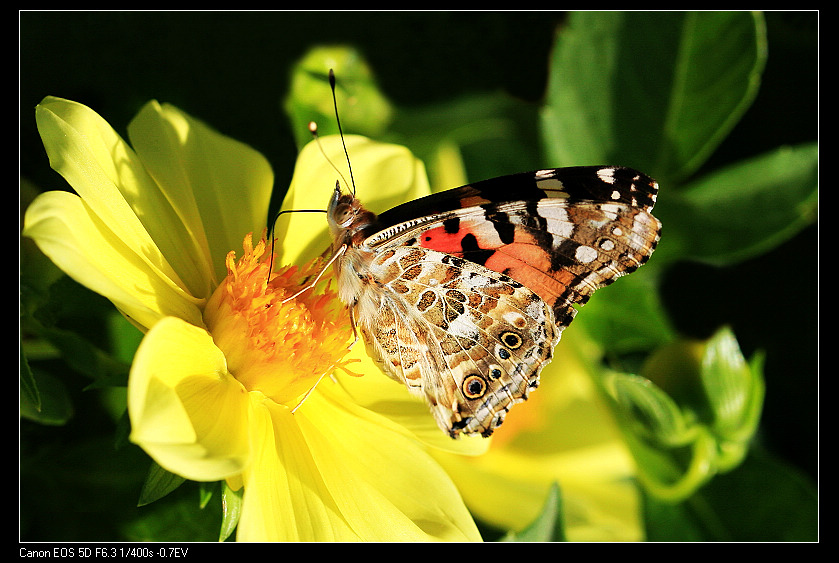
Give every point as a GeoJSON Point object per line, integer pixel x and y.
{"type": "Point", "coordinates": [336, 471]}
{"type": "Point", "coordinates": [218, 187]}
{"type": "Point", "coordinates": [109, 176]}
{"type": "Point", "coordinates": [385, 484]}
{"type": "Point", "coordinates": [187, 412]}
{"type": "Point", "coordinates": [285, 498]}
{"type": "Point", "coordinates": [76, 240]}
{"type": "Point", "coordinates": [597, 504]}
{"type": "Point", "coordinates": [384, 175]}
{"type": "Point", "coordinates": [384, 397]}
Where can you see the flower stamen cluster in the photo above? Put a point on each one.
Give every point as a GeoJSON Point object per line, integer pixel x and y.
{"type": "Point", "coordinates": [268, 342]}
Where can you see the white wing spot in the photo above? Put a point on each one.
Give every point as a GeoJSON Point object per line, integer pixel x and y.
{"type": "Point", "coordinates": [607, 245]}
{"type": "Point", "coordinates": [611, 211]}
{"type": "Point", "coordinates": [607, 175]}
{"type": "Point", "coordinates": [514, 318]}
{"type": "Point", "coordinates": [585, 254]}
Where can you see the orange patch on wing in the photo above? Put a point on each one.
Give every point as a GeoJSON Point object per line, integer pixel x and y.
{"type": "Point", "coordinates": [438, 239]}
{"type": "Point", "coordinates": [515, 254]}
{"type": "Point", "coordinates": [529, 265]}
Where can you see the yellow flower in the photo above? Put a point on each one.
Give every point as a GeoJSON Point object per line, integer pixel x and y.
{"type": "Point", "coordinates": [220, 386]}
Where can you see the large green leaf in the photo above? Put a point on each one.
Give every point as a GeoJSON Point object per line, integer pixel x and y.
{"type": "Point", "coordinates": [628, 315]}
{"type": "Point", "coordinates": [656, 91]}
{"type": "Point", "coordinates": [742, 210]}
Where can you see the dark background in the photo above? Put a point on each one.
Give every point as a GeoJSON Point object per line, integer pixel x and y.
{"type": "Point", "coordinates": [232, 71]}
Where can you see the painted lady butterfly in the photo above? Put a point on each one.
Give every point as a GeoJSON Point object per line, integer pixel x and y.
{"type": "Point", "coordinates": [462, 295]}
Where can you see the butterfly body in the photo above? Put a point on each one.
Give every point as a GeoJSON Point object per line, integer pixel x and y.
{"type": "Point", "coordinates": [462, 295]}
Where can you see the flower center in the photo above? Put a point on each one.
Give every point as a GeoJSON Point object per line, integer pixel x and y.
{"type": "Point", "coordinates": [280, 349]}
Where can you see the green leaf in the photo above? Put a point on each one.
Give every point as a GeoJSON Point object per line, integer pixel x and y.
{"type": "Point", "coordinates": [231, 508]}
{"type": "Point", "coordinates": [123, 336]}
{"type": "Point", "coordinates": [29, 394]}
{"type": "Point", "coordinates": [627, 316]}
{"type": "Point", "coordinates": [176, 518]}
{"type": "Point", "coordinates": [656, 91]}
{"type": "Point", "coordinates": [669, 521]}
{"type": "Point", "coordinates": [54, 406]}
{"type": "Point", "coordinates": [62, 301]}
{"type": "Point", "coordinates": [742, 210]}
{"type": "Point", "coordinates": [734, 388]}
{"type": "Point", "coordinates": [718, 69]}
{"type": "Point", "coordinates": [548, 526]}
{"type": "Point", "coordinates": [158, 484]}
{"type": "Point", "coordinates": [87, 359]}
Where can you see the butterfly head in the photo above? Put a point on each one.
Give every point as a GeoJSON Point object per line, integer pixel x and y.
{"type": "Point", "coordinates": [349, 222]}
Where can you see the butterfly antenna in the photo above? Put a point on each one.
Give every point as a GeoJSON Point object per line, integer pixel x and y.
{"type": "Point", "coordinates": [340, 129]}
{"type": "Point", "coordinates": [313, 129]}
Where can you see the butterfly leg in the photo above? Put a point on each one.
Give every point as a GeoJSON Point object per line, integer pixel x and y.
{"type": "Point", "coordinates": [332, 367]}
{"type": "Point", "coordinates": [329, 371]}
{"type": "Point", "coordinates": [313, 283]}
{"type": "Point", "coordinates": [354, 330]}
{"type": "Point", "coordinates": [311, 389]}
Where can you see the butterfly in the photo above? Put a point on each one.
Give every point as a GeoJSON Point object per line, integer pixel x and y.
{"type": "Point", "coordinates": [463, 295]}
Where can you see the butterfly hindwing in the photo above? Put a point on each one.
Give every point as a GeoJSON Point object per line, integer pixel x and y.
{"type": "Point", "coordinates": [470, 340]}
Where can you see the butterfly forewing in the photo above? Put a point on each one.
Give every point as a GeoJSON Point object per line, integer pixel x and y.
{"type": "Point", "coordinates": [614, 184]}
{"type": "Point", "coordinates": [578, 230]}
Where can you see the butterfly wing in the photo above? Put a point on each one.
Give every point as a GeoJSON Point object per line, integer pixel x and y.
{"type": "Point", "coordinates": [470, 340]}
{"type": "Point", "coordinates": [466, 292]}
{"type": "Point", "coordinates": [615, 184]}
{"type": "Point", "coordinates": [563, 233]}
